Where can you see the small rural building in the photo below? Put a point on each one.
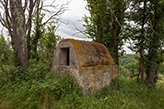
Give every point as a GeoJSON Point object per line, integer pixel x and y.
{"type": "Point", "coordinates": [89, 62]}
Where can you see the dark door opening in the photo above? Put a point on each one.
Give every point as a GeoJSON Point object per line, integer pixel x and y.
{"type": "Point", "coordinates": [68, 56]}
{"type": "Point", "coordinates": [64, 56]}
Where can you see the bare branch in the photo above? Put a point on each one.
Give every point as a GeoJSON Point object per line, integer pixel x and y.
{"type": "Point", "coordinates": [25, 5]}
{"type": "Point", "coordinates": [80, 31]}
{"type": "Point", "coordinates": [53, 2]}
{"type": "Point", "coordinates": [30, 8]}
{"type": "Point", "coordinates": [61, 10]}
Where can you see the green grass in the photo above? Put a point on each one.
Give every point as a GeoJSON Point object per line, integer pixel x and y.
{"type": "Point", "coordinates": [39, 88]}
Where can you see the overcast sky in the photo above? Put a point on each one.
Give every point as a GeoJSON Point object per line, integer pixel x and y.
{"type": "Point", "coordinates": [73, 17]}
{"type": "Point", "coordinates": [76, 10]}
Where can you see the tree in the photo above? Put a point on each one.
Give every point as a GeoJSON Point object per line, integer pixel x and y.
{"type": "Point", "coordinates": [46, 43]}
{"type": "Point", "coordinates": [107, 20]}
{"type": "Point", "coordinates": [139, 15]}
{"type": "Point", "coordinates": [19, 37]}
{"type": "Point", "coordinates": [6, 54]}
{"type": "Point", "coordinates": [148, 37]}
{"type": "Point", "coordinates": [156, 39]}
{"type": "Point", "coordinates": [37, 34]}
{"type": "Point", "coordinates": [17, 18]}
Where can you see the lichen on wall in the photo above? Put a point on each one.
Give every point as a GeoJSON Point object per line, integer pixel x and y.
{"type": "Point", "coordinates": [89, 62]}
{"type": "Point", "coordinates": [96, 77]}
{"type": "Point", "coordinates": [91, 53]}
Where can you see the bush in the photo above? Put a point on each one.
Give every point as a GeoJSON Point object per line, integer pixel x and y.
{"type": "Point", "coordinates": [38, 87]}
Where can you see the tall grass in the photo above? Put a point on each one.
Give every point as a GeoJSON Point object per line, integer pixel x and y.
{"type": "Point", "coordinates": [39, 88]}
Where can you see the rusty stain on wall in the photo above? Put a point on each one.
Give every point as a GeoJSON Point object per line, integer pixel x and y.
{"type": "Point", "coordinates": [89, 62]}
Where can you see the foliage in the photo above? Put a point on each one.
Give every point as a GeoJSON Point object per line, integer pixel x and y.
{"type": "Point", "coordinates": [17, 17]}
{"type": "Point", "coordinates": [37, 87]}
{"type": "Point", "coordinates": [125, 60]}
{"type": "Point", "coordinates": [6, 54]}
{"type": "Point", "coordinates": [105, 24]}
{"type": "Point", "coordinates": [147, 35]}
{"type": "Point", "coordinates": [161, 69]}
{"type": "Point", "coordinates": [40, 88]}
{"type": "Point", "coordinates": [43, 41]}
{"type": "Point", "coordinates": [47, 43]}
{"type": "Point", "coordinates": [128, 59]}
{"type": "Point", "coordinates": [37, 34]}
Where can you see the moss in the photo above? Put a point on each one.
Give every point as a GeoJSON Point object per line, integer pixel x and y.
{"type": "Point", "coordinates": [96, 77]}
{"type": "Point", "coordinates": [90, 53]}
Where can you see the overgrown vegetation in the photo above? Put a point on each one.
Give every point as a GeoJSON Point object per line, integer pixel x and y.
{"type": "Point", "coordinates": [38, 87]}
{"type": "Point", "coordinates": [130, 62]}
{"type": "Point", "coordinates": [137, 22]}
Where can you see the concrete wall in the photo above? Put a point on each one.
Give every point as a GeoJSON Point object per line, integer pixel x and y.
{"type": "Point", "coordinates": [97, 77]}
{"type": "Point", "coordinates": [89, 62]}
{"type": "Point", "coordinates": [61, 54]}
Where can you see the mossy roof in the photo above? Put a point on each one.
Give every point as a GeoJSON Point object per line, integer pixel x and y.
{"type": "Point", "coordinates": [90, 53]}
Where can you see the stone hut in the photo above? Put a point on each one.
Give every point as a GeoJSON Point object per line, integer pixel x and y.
{"type": "Point", "coordinates": [89, 62]}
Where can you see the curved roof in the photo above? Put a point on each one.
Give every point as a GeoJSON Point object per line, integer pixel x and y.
{"type": "Point", "coordinates": [90, 53]}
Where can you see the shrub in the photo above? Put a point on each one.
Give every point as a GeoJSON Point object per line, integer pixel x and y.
{"type": "Point", "coordinates": [38, 86]}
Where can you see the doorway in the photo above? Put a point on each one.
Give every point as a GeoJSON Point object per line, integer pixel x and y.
{"type": "Point", "coordinates": [65, 56]}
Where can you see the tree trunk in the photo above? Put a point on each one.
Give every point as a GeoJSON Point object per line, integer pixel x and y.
{"type": "Point", "coordinates": [117, 29]}
{"type": "Point", "coordinates": [99, 29]}
{"type": "Point", "coordinates": [38, 32]}
{"type": "Point", "coordinates": [29, 28]}
{"type": "Point", "coordinates": [157, 70]}
{"type": "Point", "coordinates": [116, 34]}
{"type": "Point", "coordinates": [142, 67]}
{"type": "Point", "coordinates": [142, 70]}
{"type": "Point", "coordinates": [19, 33]}
{"type": "Point", "coordinates": [139, 72]}
{"type": "Point", "coordinates": [116, 51]}
{"type": "Point", "coordinates": [151, 75]}
{"type": "Point", "coordinates": [153, 52]}
{"type": "Point", "coordinates": [156, 76]}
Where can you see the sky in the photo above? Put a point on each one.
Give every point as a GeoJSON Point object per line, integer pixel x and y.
{"type": "Point", "coordinates": [74, 17]}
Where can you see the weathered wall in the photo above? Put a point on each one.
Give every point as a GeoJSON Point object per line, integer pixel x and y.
{"type": "Point", "coordinates": [72, 57]}
{"type": "Point", "coordinates": [96, 77]}
{"type": "Point", "coordinates": [89, 62]}
{"type": "Point", "coordinates": [91, 53]}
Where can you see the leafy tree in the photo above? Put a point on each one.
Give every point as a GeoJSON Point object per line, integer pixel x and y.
{"type": "Point", "coordinates": [140, 16]}
{"type": "Point", "coordinates": [156, 38]}
{"type": "Point", "coordinates": [148, 37]}
{"type": "Point", "coordinates": [37, 34]}
{"type": "Point", "coordinates": [17, 19]}
{"type": "Point", "coordinates": [43, 40]}
{"type": "Point", "coordinates": [106, 23]}
{"type": "Point", "coordinates": [47, 44]}
{"type": "Point", "coordinates": [6, 53]}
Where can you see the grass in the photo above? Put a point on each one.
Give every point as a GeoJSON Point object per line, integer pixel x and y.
{"type": "Point", "coordinates": [39, 88]}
